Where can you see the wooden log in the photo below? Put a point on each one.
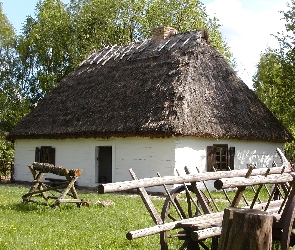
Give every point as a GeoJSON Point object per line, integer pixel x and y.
{"type": "Point", "coordinates": [206, 233]}
{"type": "Point", "coordinates": [170, 180]}
{"type": "Point", "coordinates": [69, 201]}
{"type": "Point", "coordinates": [253, 180]}
{"type": "Point", "coordinates": [201, 221]}
{"type": "Point", "coordinates": [58, 170]}
{"type": "Point", "coordinates": [246, 229]}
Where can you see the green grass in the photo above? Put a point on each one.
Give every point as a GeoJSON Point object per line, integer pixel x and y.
{"type": "Point", "coordinates": [27, 226]}
{"type": "Point", "coordinates": [32, 226]}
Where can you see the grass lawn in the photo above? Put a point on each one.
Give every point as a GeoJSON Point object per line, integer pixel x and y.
{"type": "Point", "coordinates": [32, 226]}
{"type": "Point", "coordinates": [26, 226]}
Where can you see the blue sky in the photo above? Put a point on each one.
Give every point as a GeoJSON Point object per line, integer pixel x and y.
{"type": "Point", "coordinates": [247, 26]}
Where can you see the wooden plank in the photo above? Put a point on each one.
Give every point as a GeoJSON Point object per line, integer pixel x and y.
{"type": "Point", "coordinates": [69, 200]}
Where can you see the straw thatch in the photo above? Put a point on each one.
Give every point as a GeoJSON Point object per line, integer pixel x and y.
{"type": "Point", "coordinates": [179, 86]}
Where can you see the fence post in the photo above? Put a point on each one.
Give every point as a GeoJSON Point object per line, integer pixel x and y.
{"type": "Point", "coordinates": [246, 229]}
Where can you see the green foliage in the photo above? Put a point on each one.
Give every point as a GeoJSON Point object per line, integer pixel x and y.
{"type": "Point", "coordinates": [184, 15]}
{"type": "Point", "coordinates": [274, 80]}
{"type": "Point", "coordinates": [6, 31]}
{"type": "Point", "coordinates": [6, 156]}
{"type": "Point", "coordinates": [45, 48]}
{"type": "Point", "coordinates": [59, 36]}
{"type": "Point", "coordinates": [12, 104]}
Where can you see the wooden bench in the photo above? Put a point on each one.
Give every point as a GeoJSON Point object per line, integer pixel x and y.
{"type": "Point", "coordinates": [191, 215]}
{"type": "Point", "coordinates": [48, 190]}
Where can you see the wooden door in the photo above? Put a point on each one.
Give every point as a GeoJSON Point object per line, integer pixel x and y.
{"type": "Point", "coordinates": [104, 164]}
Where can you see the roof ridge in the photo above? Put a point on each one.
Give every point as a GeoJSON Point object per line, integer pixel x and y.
{"type": "Point", "coordinates": [116, 52]}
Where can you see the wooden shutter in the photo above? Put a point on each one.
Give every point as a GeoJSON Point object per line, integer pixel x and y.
{"type": "Point", "coordinates": [37, 154]}
{"type": "Point", "coordinates": [211, 159]}
{"type": "Point", "coordinates": [43, 154]}
{"type": "Point", "coordinates": [232, 151]}
{"type": "Point", "coordinates": [51, 155]}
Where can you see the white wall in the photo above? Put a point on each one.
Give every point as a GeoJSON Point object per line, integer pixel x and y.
{"type": "Point", "coordinates": [145, 156]}
{"type": "Point", "coordinates": [192, 153]}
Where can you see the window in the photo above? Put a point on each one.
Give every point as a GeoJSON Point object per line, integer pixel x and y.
{"type": "Point", "coordinates": [45, 154]}
{"type": "Point", "coordinates": [220, 157]}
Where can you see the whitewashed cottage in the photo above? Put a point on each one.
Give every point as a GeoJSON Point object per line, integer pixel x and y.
{"type": "Point", "coordinates": [153, 106]}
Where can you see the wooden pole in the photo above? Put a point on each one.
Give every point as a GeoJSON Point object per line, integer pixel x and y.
{"type": "Point", "coordinates": [147, 201]}
{"type": "Point", "coordinates": [240, 192]}
{"type": "Point", "coordinates": [171, 180]}
{"type": "Point", "coordinates": [203, 221]}
{"type": "Point", "coordinates": [246, 229]}
{"type": "Point", "coordinates": [253, 180]}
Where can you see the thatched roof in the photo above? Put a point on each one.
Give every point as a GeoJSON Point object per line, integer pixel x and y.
{"type": "Point", "coordinates": [180, 86]}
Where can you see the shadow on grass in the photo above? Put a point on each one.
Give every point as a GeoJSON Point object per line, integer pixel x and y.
{"type": "Point", "coordinates": [27, 207]}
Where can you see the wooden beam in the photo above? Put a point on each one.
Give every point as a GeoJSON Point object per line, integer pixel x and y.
{"type": "Point", "coordinates": [170, 180]}
{"type": "Point", "coordinates": [253, 180]}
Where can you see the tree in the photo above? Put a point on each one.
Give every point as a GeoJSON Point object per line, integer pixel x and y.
{"type": "Point", "coordinates": [60, 36]}
{"type": "Point", "coordinates": [275, 77]}
{"type": "Point", "coordinates": [184, 15]}
{"type": "Point", "coordinates": [12, 105]}
{"type": "Point", "coordinates": [45, 48]}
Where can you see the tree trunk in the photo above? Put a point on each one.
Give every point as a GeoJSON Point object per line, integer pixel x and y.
{"type": "Point", "coordinates": [244, 229]}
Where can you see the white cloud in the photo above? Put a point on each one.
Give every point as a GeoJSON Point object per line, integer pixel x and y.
{"type": "Point", "coordinates": [247, 27]}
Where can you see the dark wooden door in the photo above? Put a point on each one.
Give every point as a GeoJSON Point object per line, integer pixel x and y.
{"type": "Point", "coordinates": [104, 164]}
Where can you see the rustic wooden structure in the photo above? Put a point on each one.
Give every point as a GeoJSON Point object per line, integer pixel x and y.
{"type": "Point", "coordinates": [61, 186]}
{"type": "Point", "coordinates": [190, 215]}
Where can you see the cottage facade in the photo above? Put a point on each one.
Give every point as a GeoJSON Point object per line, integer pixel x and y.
{"type": "Point", "coordinates": [145, 156]}
{"type": "Point", "coordinates": [153, 106]}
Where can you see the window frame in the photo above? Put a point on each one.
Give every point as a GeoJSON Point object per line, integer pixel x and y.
{"type": "Point", "coordinates": [45, 154]}
{"type": "Point", "coordinates": [220, 157]}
